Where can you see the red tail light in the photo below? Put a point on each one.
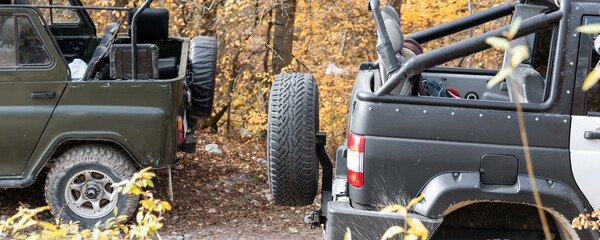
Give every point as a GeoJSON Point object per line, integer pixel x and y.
{"type": "Point", "coordinates": [356, 155]}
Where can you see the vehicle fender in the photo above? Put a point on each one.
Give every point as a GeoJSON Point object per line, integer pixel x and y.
{"type": "Point", "coordinates": [447, 192]}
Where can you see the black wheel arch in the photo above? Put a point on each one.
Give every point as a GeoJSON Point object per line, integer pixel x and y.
{"type": "Point", "coordinates": [448, 194]}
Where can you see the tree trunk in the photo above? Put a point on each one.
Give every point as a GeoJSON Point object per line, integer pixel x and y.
{"type": "Point", "coordinates": [268, 43]}
{"type": "Point", "coordinates": [283, 34]}
{"type": "Point", "coordinates": [397, 4]}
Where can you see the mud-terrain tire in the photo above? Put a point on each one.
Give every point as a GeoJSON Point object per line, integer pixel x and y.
{"type": "Point", "coordinates": [202, 69]}
{"type": "Point", "coordinates": [88, 170]}
{"type": "Point", "coordinates": [291, 139]}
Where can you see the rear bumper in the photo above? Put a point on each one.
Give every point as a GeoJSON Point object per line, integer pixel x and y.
{"type": "Point", "coordinates": [366, 224]}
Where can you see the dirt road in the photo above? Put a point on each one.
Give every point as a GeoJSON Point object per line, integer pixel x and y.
{"type": "Point", "coordinates": [216, 196]}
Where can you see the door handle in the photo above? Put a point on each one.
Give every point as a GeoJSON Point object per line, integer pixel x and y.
{"type": "Point", "coordinates": [591, 135]}
{"type": "Point", "coordinates": [43, 95]}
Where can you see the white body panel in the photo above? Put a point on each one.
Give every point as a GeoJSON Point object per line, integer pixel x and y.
{"type": "Point", "coordinates": [585, 157]}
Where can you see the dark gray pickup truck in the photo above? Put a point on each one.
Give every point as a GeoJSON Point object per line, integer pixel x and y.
{"type": "Point", "coordinates": [464, 155]}
{"type": "Point", "coordinates": [95, 125]}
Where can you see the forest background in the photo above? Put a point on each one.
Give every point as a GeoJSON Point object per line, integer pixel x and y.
{"type": "Point", "coordinates": [261, 38]}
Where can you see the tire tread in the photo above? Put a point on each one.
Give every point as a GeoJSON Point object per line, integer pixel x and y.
{"type": "Point", "coordinates": [292, 124]}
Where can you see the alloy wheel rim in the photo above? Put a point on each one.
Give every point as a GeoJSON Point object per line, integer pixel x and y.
{"type": "Point", "coordinates": [88, 194]}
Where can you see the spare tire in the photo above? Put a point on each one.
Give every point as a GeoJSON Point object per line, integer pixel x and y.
{"type": "Point", "coordinates": [201, 80]}
{"type": "Point", "coordinates": [291, 139]}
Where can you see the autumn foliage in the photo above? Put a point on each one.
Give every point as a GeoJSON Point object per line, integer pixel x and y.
{"type": "Point", "coordinates": [325, 32]}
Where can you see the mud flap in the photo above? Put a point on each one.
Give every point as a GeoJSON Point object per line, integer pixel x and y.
{"type": "Point", "coordinates": [189, 144]}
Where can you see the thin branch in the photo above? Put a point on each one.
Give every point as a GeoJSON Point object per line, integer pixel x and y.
{"type": "Point", "coordinates": [274, 52]}
{"type": "Point", "coordinates": [300, 62]}
{"type": "Point", "coordinates": [200, 5]}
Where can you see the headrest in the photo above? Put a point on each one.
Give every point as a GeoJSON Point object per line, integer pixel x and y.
{"type": "Point", "coordinates": [392, 24]}
{"type": "Point", "coordinates": [534, 84]}
{"type": "Point", "coordinates": [7, 33]}
{"type": "Point", "coordinates": [152, 24]}
{"type": "Point", "coordinates": [395, 34]}
{"type": "Point", "coordinates": [389, 12]}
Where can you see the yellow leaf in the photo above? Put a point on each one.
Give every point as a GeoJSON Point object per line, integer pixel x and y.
{"type": "Point", "coordinates": [150, 183]}
{"type": "Point", "coordinates": [145, 170]}
{"type": "Point", "coordinates": [590, 28]}
{"type": "Point", "coordinates": [150, 203]}
{"type": "Point", "coordinates": [403, 211]}
{"type": "Point", "coordinates": [151, 230]}
{"type": "Point", "coordinates": [417, 228]}
{"type": "Point", "coordinates": [48, 226]}
{"type": "Point", "coordinates": [518, 54]}
{"type": "Point", "coordinates": [44, 208]}
{"type": "Point", "coordinates": [145, 204]}
{"type": "Point", "coordinates": [514, 28]}
{"type": "Point", "coordinates": [591, 79]}
{"type": "Point", "coordinates": [348, 235]}
{"type": "Point", "coordinates": [414, 201]}
{"type": "Point", "coordinates": [411, 237]}
{"type": "Point", "coordinates": [498, 42]}
{"type": "Point", "coordinates": [166, 205]}
{"type": "Point", "coordinates": [391, 232]}
{"type": "Point", "coordinates": [139, 217]}
{"type": "Point", "coordinates": [392, 208]}
{"type": "Point", "coordinates": [148, 175]}
{"type": "Point", "coordinates": [135, 191]}
{"type": "Point", "coordinates": [499, 77]}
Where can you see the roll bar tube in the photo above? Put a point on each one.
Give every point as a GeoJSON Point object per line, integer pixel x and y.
{"type": "Point", "coordinates": [73, 7]}
{"type": "Point", "coordinates": [463, 48]}
{"type": "Point", "coordinates": [463, 23]}
{"type": "Point", "coordinates": [133, 23]}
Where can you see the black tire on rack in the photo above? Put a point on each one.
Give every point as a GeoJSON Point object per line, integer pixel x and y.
{"type": "Point", "coordinates": [291, 139]}
{"type": "Point", "coordinates": [202, 71]}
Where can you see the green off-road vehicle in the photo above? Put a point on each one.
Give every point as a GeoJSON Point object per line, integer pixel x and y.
{"type": "Point", "coordinates": [71, 100]}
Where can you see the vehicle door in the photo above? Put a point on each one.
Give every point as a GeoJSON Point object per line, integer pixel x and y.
{"type": "Point", "coordinates": [33, 76]}
{"type": "Point", "coordinates": [585, 124]}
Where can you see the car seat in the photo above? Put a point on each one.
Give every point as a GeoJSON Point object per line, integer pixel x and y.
{"type": "Point", "coordinates": [405, 48]}
{"type": "Point", "coordinates": [101, 50]}
{"type": "Point", "coordinates": [7, 43]}
{"type": "Point", "coordinates": [528, 75]}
